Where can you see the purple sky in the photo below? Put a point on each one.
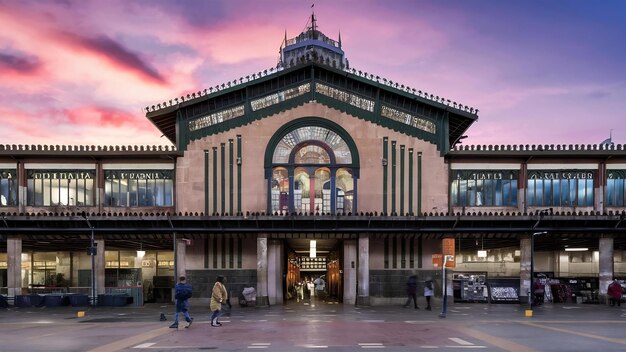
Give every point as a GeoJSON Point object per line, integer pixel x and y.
{"type": "Point", "coordinates": [540, 72]}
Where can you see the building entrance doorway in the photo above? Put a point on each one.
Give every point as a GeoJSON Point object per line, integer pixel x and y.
{"type": "Point", "coordinates": [313, 270]}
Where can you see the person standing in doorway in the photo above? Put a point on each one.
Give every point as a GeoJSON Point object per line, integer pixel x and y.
{"type": "Point", "coordinates": [615, 293]}
{"type": "Point", "coordinates": [320, 286]}
{"type": "Point", "coordinates": [428, 292]}
{"type": "Point", "coordinates": [311, 286]}
{"type": "Point", "coordinates": [411, 291]}
{"type": "Point", "coordinates": [182, 293]}
{"type": "Point", "coordinates": [219, 295]}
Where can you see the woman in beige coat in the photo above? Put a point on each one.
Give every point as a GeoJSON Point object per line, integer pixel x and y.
{"type": "Point", "coordinates": [218, 296]}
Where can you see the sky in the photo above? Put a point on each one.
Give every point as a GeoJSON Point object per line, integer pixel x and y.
{"type": "Point", "coordinates": [75, 72]}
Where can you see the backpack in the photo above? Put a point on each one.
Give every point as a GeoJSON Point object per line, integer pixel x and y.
{"type": "Point", "coordinates": [429, 285]}
{"type": "Point", "coordinates": [183, 292]}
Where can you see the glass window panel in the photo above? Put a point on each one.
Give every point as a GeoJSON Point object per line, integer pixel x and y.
{"type": "Point", "coordinates": [513, 193]}
{"type": "Point", "coordinates": [280, 190]}
{"type": "Point", "coordinates": [133, 200]}
{"type": "Point", "coordinates": [489, 188]}
{"type": "Point", "coordinates": [454, 193]}
{"type": "Point", "coordinates": [46, 192]}
{"type": "Point", "coordinates": [530, 193]}
{"type": "Point", "coordinates": [499, 194]}
{"type": "Point", "coordinates": [471, 193]}
{"type": "Point", "coordinates": [39, 195]}
{"type": "Point", "coordinates": [124, 195]}
{"type": "Point", "coordinates": [572, 192]}
{"type": "Point", "coordinates": [463, 193]}
{"type": "Point", "coordinates": [619, 193]}
{"type": "Point", "coordinates": [506, 193]}
{"type": "Point", "coordinates": [565, 194]}
{"type": "Point", "coordinates": [556, 191]}
{"type": "Point", "coordinates": [581, 193]}
{"type": "Point", "coordinates": [547, 193]}
{"type": "Point", "coordinates": [169, 193]}
{"type": "Point", "coordinates": [589, 195]}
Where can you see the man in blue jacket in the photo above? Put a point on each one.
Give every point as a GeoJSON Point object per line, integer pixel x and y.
{"type": "Point", "coordinates": [182, 295]}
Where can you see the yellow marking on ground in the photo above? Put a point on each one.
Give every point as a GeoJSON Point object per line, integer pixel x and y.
{"type": "Point", "coordinates": [132, 341]}
{"type": "Point", "coordinates": [578, 333]}
{"type": "Point", "coordinates": [499, 342]}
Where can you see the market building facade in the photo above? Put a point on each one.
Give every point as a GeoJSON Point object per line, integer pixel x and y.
{"type": "Point", "coordinates": [306, 169]}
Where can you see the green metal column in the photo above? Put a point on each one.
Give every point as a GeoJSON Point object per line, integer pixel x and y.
{"type": "Point", "coordinates": [385, 156]}
{"type": "Point", "coordinates": [401, 180]}
{"type": "Point", "coordinates": [393, 177]}
{"type": "Point", "coordinates": [239, 161]}
{"type": "Point", "coordinates": [410, 181]}
{"type": "Point", "coordinates": [223, 173]}
{"type": "Point", "coordinates": [419, 183]}
{"type": "Point", "coordinates": [231, 190]}
{"type": "Point", "coordinates": [206, 182]}
{"type": "Point", "coordinates": [214, 179]}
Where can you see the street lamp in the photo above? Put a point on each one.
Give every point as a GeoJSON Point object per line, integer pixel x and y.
{"type": "Point", "coordinates": [532, 267]}
{"type": "Point", "coordinates": [444, 305]}
{"type": "Point", "coordinates": [92, 251]}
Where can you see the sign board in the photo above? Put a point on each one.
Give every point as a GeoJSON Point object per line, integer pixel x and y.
{"type": "Point", "coordinates": [438, 261]}
{"type": "Point", "coordinates": [447, 246]}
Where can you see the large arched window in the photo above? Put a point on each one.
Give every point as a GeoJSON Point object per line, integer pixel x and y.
{"type": "Point", "coordinates": [312, 169]}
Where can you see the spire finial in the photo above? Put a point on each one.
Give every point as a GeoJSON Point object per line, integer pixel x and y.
{"type": "Point", "coordinates": [313, 21]}
{"type": "Point", "coordinates": [340, 39]}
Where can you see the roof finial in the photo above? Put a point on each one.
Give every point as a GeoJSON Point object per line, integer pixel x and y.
{"type": "Point", "coordinates": [339, 39]}
{"type": "Point", "coordinates": [313, 22]}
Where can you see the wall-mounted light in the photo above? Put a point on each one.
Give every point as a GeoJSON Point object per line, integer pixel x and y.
{"type": "Point", "coordinates": [482, 253]}
{"type": "Point", "coordinates": [576, 249]}
{"type": "Point", "coordinates": [312, 248]}
{"type": "Point", "coordinates": [140, 252]}
{"type": "Point", "coordinates": [238, 160]}
{"type": "Point", "coordinates": [384, 161]}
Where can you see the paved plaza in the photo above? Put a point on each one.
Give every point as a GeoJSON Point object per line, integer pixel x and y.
{"type": "Point", "coordinates": [308, 326]}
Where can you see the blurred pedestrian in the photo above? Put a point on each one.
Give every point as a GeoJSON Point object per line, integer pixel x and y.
{"type": "Point", "coordinates": [219, 295]}
{"type": "Point", "coordinates": [411, 291]}
{"type": "Point", "coordinates": [428, 292]}
{"type": "Point", "coordinates": [615, 293]}
{"type": "Point", "coordinates": [182, 293]}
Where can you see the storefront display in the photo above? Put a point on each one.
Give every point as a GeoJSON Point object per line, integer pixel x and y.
{"type": "Point", "coordinates": [504, 290]}
{"type": "Point", "coordinates": [470, 287]}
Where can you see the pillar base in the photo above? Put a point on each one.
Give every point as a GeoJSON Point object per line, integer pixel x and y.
{"type": "Point", "coordinates": [262, 301]}
{"type": "Point", "coordinates": [363, 301]}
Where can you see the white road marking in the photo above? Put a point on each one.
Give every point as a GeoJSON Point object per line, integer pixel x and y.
{"type": "Point", "coordinates": [372, 345]}
{"type": "Point", "coordinates": [374, 321]}
{"type": "Point", "coordinates": [314, 346]}
{"type": "Point", "coordinates": [460, 341]}
{"type": "Point", "coordinates": [145, 345]}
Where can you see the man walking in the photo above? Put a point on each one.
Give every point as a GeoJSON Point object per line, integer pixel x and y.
{"type": "Point", "coordinates": [182, 293]}
{"type": "Point", "coordinates": [411, 291]}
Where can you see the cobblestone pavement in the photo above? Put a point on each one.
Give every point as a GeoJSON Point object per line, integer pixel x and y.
{"type": "Point", "coordinates": [314, 325]}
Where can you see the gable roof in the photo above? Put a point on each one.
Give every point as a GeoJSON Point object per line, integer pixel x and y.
{"type": "Point", "coordinates": [365, 96]}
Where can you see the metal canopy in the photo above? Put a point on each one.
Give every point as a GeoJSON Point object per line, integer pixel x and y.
{"type": "Point", "coordinates": [155, 231]}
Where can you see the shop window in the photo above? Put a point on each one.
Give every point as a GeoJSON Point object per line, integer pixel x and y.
{"type": "Point", "coordinates": [60, 187]}
{"type": "Point", "coordinates": [139, 188]}
{"type": "Point", "coordinates": [615, 195]}
{"type": "Point", "coordinates": [560, 188]}
{"type": "Point", "coordinates": [484, 188]}
{"type": "Point", "coordinates": [8, 188]}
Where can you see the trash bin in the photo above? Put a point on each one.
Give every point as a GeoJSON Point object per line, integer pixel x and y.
{"type": "Point", "coordinates": [36, 300]}
{"type": "Point", "coordinates": [78, 300]}
{"type": "Point", "coordinates": [22, 301]}
{"type": "Point", "coordinates": [53, 300]}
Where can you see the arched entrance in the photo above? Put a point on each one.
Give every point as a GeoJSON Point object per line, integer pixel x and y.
{"type": "Point", "coordinates": [311, 166]}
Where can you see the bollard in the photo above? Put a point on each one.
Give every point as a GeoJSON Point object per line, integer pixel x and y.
{"type": "Point", "coordinates": [528, 313]}
{"type": "Point", "coordinates": [80, 314]}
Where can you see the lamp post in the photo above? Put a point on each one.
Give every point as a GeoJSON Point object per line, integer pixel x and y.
{"type": "Point", "coordinates": [444, 305]}
{"type": "Point", "coordinates": [92, 252]}
{"type": "Point", "coordinates": [532, 267]}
